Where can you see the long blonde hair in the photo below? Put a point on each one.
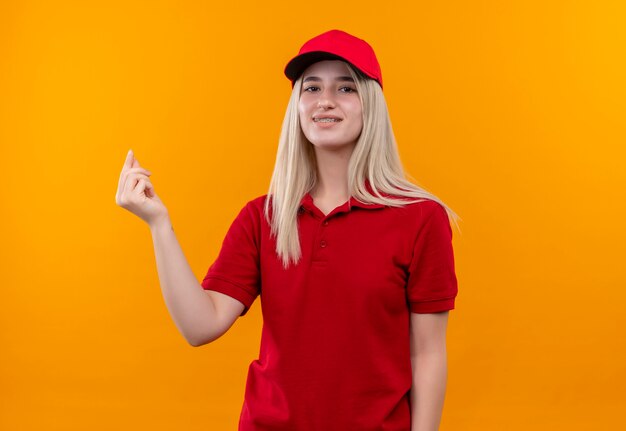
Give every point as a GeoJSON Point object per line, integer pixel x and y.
{"type": "Point", "coordinates": [375, 159]}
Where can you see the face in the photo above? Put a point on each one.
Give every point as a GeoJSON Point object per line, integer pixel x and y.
{"type": "Point", "coordinates": [329, 106]}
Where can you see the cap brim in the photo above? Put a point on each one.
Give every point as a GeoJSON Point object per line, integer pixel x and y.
{"type": "Point", "coordinates": [298, 64]}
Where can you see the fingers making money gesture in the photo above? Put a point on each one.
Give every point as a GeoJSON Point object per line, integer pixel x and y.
{"type": "Point", "coordinates": [136, 193]}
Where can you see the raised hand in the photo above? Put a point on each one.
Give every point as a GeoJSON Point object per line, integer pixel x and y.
{"type": "Point", "coordinates": [136, 193]}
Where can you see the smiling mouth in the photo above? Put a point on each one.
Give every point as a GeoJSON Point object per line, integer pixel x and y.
{"type": "Point", "coordinates": [326, 120]}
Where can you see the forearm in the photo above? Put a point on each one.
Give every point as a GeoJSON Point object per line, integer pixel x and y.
{"type": "Point", "coordinates": [189, 305]}
{"type": "Point", "coordinates": [430, 373]}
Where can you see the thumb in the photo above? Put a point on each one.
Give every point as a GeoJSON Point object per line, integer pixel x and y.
{"type": "Point", "coordinates": [129, 158]}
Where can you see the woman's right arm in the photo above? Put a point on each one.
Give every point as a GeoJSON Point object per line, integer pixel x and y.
{"type": "Point", "coordinates": [200, 315]}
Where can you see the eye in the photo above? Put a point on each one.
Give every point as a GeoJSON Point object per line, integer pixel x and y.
{"type": "Point", "coordinates": [310, 87]}
{"type": "Point", "coordinates": [347, 89]}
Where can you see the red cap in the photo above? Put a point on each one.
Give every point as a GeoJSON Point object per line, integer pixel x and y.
{"type": "Point", "coordinates": [335, 45]}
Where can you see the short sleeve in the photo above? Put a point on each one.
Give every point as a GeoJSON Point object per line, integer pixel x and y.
{"type": "Point", "coordinates": [432, 283]}
{"type": "Point", "coordinates": [236, 272]}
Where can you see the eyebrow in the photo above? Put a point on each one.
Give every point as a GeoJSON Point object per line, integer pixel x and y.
{"type": "Point", "coordinates": [339, 78]}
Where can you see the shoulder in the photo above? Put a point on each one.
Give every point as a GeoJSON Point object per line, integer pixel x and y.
{"type": "Point", "coordinates": [256, 204]}
{"type": "Point", "coordinates": [253, 209]}
{"type": "Point", "coordinates": [423, 209]}
{"type": "Point", "coordinates": [426, 213]}
{"type": "Point", "coordinates": [430, 208]}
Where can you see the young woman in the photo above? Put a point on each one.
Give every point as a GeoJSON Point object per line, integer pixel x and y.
{"type": "Point", "coordinates": [353, 263]}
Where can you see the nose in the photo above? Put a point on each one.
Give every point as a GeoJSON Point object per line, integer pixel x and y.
{"type": "Point", "coordinates": [325, 100]}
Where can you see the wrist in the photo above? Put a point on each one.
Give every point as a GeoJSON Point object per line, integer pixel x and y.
{"type": "Point", "coordinates": [161, 223]}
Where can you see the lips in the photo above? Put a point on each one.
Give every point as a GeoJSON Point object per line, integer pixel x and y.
{"type": "Point", "coordinates": [326, 119]}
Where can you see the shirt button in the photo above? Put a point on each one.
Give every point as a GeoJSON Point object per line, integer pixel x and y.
{"type": "Point", "coordinates": [322, 243]}
{"type": "Point", "coordinates": [325, 223]}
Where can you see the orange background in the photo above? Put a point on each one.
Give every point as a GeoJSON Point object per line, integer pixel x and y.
{"type": "Point", "coordinates": [513, 113]}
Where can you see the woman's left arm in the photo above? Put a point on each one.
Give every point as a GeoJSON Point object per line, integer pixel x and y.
{"type": "Point", "coordinates": [430, 369]}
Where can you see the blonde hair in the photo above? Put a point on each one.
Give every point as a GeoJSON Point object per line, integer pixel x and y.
{"type": "Point", "coordinates": [375, 159]}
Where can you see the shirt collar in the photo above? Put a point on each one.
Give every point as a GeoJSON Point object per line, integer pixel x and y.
{"type": "Point", "coordinates": [307, 202]}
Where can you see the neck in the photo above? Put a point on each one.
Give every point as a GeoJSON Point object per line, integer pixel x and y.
{"type": "Point", "coordinates": [332, 173]}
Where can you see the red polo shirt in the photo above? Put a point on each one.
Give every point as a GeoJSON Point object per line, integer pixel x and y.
{"type": "Point", "coordinates": [335, 347]}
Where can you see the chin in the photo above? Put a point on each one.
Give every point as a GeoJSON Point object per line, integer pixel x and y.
{"type": "Point", "coordinates": [334, 145]}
